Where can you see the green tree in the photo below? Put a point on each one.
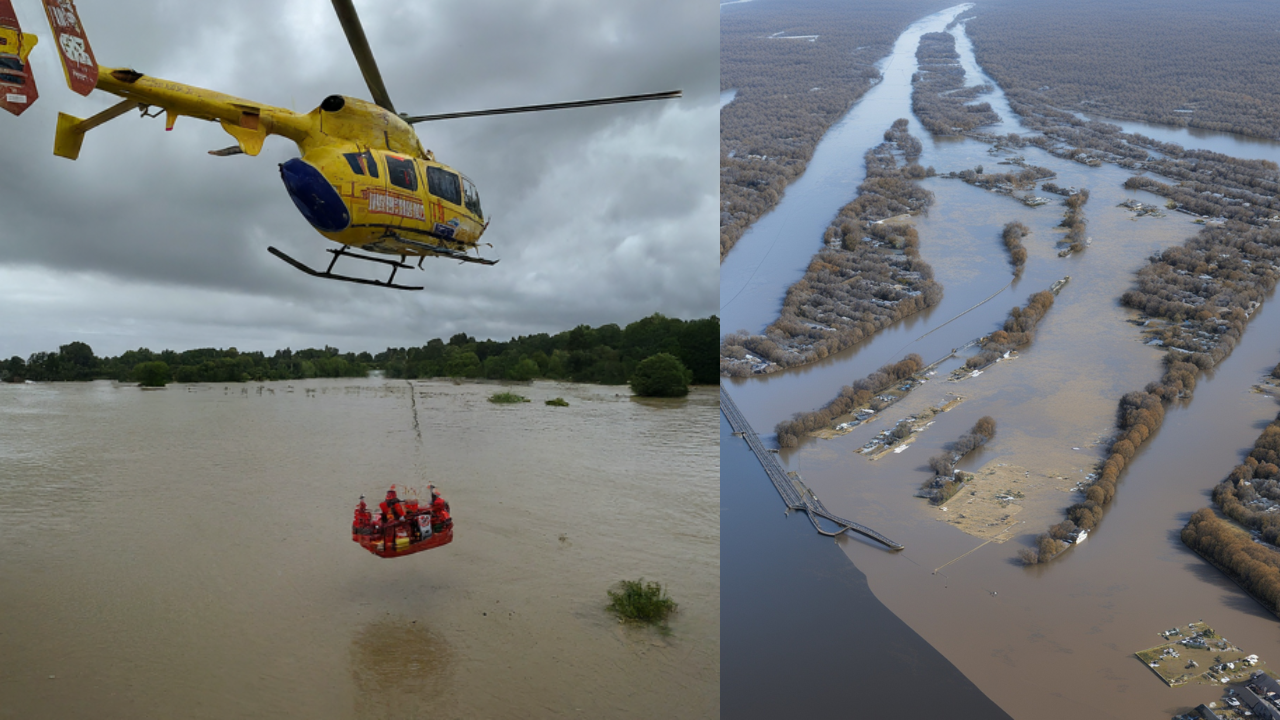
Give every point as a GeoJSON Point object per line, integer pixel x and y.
{"type": "Point", "coordinates": [152, 374]}
{"type": "Point", "coordinates": [661, 375]}
{"type": "Point", "coordinates": [526, 369]}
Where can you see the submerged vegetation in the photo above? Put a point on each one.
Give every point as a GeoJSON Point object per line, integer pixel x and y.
{"type": "Point", "coordinates": [868, 276]}
{"type": "Point", "coordinates": [939, 97]}
{"type": "Point", "coordinates": [508, 397]}
{"type": "Point", "coordinates": [661, 375]}
{"type": "Point", "coordinates": [640, 601]}
{"type": "Point", "coordinates": [1019, 329]}
{"type": "Point", "coordinates": [1012, 236]}
{"type": "Point", "coordinates": [852, 397]}
{"type": "Point", "coordinates": [947, 480]}
{"type": "Point", "coordinates": [1074, 221]}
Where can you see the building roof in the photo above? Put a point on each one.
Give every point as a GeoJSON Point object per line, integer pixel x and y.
{"type": "Point", "coordinates": [1206, 713]}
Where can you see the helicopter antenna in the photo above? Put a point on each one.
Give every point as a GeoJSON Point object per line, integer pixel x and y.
{"type": "Point", "coordinates": [411, 119]}
{"type": "Point", "coordinates": [364, 55]}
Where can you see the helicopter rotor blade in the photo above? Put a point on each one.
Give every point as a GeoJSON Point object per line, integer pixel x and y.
{"type": "Point", "coordinates": [364, 55]}
{"type": "Point", "coordinates": [411, 119]}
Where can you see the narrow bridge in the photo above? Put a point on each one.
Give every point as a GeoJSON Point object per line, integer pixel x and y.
{"type": "Point", "coordinates": [794, 492]}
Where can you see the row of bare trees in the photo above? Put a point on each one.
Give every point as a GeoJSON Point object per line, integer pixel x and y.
{"type": "Point", "coordinates": [1254, 567]}
{"type": "Point", "coordinates": [946, 481]}
{"type": "Point", "coordinates": [868, 276]}
{"type": "Point", "coordinates": [1019, 329]}
{"type": "Point", "coordinates": [852, 397]}
{"type": "Point", "coordinates": [1250, 495]}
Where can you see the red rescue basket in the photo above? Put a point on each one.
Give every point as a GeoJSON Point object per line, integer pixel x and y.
{"type": "Point", "coordinates": [402, 526]}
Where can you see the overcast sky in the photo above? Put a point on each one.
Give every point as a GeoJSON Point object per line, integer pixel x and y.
{"type": "Point", "coordinates": [598, 215]}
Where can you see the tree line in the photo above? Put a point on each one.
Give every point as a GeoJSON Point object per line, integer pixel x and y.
{"type": "Point", "coordinates": [946, 481]}
{"type": "Point", "coordinates": [852, 397]}
{"type": "Point", "coordinates": [939, 97]}
{"type": "Point", "coordinates": [868, 276]}
{"type": "Point", "coordinates": [1178, 63]}
{"type": "Point", "coordinates": [1253, 567]}
{"type": "Point", "coordinates": [1253, 487]}
{"type": "Point", "coordinates": [1019, 329]}
{"type": "Point", "coordinates": [1012, 235]}
{"type": "Point", "coordinates": [789, 92]}
{"type": "Point", "coordinates": [606, 354]}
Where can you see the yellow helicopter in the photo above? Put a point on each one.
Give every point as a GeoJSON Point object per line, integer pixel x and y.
{"type": "Point", "coordinates": [364, 179]}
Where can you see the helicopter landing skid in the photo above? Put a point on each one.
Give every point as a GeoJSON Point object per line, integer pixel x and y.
{"type": "Point", "coordinates": [442, 251]}
{"type": "Point", "coordinates": [328, 273]}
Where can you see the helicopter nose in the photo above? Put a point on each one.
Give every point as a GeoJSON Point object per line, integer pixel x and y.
{"type": "Point", "coordinates": [315, 198]}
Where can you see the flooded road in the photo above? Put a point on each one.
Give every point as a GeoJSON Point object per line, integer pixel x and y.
{"type": "Point", "coordinates": [1052, 641]}
{"type": "Point", "coordinates": [186, 552]}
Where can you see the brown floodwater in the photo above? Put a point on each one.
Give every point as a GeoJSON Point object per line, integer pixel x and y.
{"type": "Point", "coordinates": [1053, 641]}
{"type": "Point", "coordinates": [186, 552]}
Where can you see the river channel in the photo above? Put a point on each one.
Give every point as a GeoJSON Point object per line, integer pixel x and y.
{"type": "Point", "coordinates": [187, 552]}
{"type": "Point", "coordinates": [1052, 641]}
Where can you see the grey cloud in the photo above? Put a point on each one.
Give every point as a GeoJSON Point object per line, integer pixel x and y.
{"type": "Point", "coordinates": [599, 215]}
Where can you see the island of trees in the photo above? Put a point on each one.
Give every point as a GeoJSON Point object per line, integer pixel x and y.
{"type": "Point", "coordinates": [852, 397]}
{"type": "Point", "coordinates": [607, 354]}
{"type": "Point", "coordinates": [1019, 330]}
{"type": "Point", "coordinates": [939, 97]}
{"type": "Point", "coordinates": [1012, 235]}
{"type": "Point", "coordinates": [947, 481]}
{"type": "Point", "coordinates": [868, 276]}
{"type": "Point", "coordinates": [1073, 220]}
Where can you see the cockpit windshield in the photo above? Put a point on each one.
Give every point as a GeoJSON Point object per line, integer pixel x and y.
{"type": "Point", "coordinates": [472, 198]}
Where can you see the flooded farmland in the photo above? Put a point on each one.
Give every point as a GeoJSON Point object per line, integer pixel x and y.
{"type": "Point", "coordinates": [1054, 641]}
{"type": "Point", "coordinates": [186, 552]}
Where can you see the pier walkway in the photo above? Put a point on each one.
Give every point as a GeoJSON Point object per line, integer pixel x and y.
{"type": "Point", "coordinates": [794, 492]}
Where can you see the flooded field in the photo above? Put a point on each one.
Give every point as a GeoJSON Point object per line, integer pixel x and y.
{"type": "Point", "coordinates": [187, 552]}
{"type": "Point", "coordinates": [1054, 641]}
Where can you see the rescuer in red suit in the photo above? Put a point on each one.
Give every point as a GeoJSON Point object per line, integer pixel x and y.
{"type": "Point", "coordinates": [391, 507]}
{"type": "Point", "coordinates": [392, 512]}
{"type": "Point", "coordinates": [439, 508]}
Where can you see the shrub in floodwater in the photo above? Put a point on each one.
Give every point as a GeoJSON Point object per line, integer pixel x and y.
{"type": "Point", "coordinates": [152, 374]}
{"type": "Point", "coordinates": [661, 375]}
{"type": "Point", "coordinates": [507, 397]}
{"type": "Point", "coordinates": [558, 402]}
{"type": "Point", "coordinates": [639, 601]}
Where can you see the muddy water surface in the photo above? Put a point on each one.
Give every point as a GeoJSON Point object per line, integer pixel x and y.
{"type": "Point", "coordinates": [186, 552]}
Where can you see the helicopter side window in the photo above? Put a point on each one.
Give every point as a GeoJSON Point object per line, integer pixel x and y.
{"type": "Point", "coordinates": [402, 173]}
{"type": "Point", "coordinates": [472, 197]}
{"type": "Point", "coordinates": [444, 185]}
{"type": "Point", "coordinates": [362, 163]}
